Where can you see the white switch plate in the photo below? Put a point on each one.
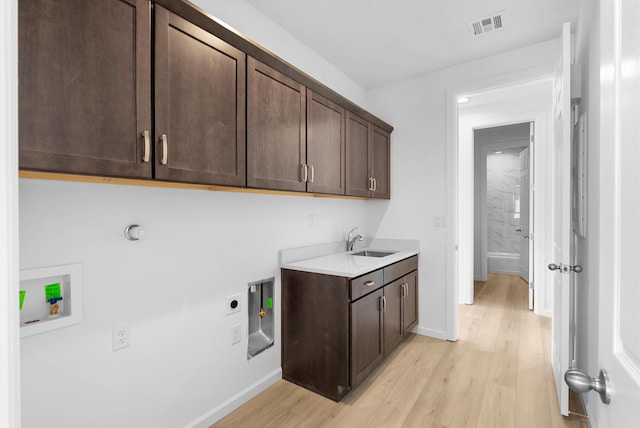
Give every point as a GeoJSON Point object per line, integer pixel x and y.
{"type": "Point", "coordinates": [232, 303]}
{"type": "Point", "coordinates": [235, 334]}
{"type": "Point", "coordinates": [121, 336]}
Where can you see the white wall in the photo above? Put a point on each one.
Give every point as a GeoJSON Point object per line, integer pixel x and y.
{"type": "Point", "coordinates": [587, 250]}
{"type": "Point", "coordinates": [200, 246]}
{"type": "Point", "coordinates": [417, 107]}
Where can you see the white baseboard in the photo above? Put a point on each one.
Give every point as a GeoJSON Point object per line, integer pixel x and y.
{"type": "Point", "coordinates": [236, 401]}
{"type": "Point", "coordinates": [424, 331]}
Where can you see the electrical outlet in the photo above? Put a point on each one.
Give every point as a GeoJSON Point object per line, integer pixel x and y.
{"type": "Point", "coordinates": [121, 336]}
{"type": "Point", "coordinates": [235, 334]}
{"type": "Point", "coordinates": [232, 304]}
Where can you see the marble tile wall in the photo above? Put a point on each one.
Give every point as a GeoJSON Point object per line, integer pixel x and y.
{"type": "Point", "coordinates": [503, 201]}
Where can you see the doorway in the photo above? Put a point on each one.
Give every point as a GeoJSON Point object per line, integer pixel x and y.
{"type": "Point", "coordinates": [517, 98]}
{"type": "Point", "coordinates": [502, 201]}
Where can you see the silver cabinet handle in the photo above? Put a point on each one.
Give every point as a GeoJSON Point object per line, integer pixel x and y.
{"type": "Point", "coordinates": [165, 150]}
{"type": "Point", "coordinates": [304, 172]}
{"type": "Point", "coordinates": [146, 156]}
{"type": "Point", "coordinates": [375, 185]}
{"type": "Point", "coordinates": [370, 283]}
{"type": "Point", "coordinates": [383, 303]}
{"type": "Point", "coordinates": [370, 183]}
{"type": "Point", "coordinates": [313, 174]}
{"type": "Point", "coordinates": [405, 289]}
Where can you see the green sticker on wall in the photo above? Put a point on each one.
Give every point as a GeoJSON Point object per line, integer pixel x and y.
{"type": "Point", "coordinates": [269, 302]}
{"type": "Point", "coordinates": [52, 291]}
{"type": "Point", "coordinates": [22, 293]}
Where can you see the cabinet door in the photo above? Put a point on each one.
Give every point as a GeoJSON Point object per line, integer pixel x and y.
{"type": "Point", "coordinates": [199, 104]}
{"type": "Point", "coordinates": [366, 336]}
{"type": "Point", "coordinates": [358, 178]}
{"type": "Point", "coordinates": [276, 129]}
{"type": "Point", "coordinates": [325, 145]}
{"type": "Point", "coordinates": [380, 163]}
{"type": "Point", "coordinates": [315, 332]}
{"type": "Point", "coordinates": [410, 302]}
{"type": "Point", "coordinates": [84, 86]}
{"type": "Point", "coordinates": [393, 328]}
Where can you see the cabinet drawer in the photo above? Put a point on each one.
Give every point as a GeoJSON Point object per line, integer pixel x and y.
{"type": "Point", "coordinates": [365, 284]}
{"type": "Point", "coordinates": [400, 269]}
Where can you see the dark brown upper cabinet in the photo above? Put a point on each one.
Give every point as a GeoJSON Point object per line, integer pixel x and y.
{"type": "Point", "coordinates": [84, 87]}
{"type": "Point", "coordinates": [379, 163]}
{"type": "Point", "coordinates": [358, 178]}
{"type": "Point", "coordinates": [199, 104]}
{"type": "Point", "coordinates": [276, 129]}
{"type": "Point", "coordinates": [140, 89]}
{"type": "Point", "coordinates": [368, 150]}
{"type": "Point", "coordinates": [325, 145]}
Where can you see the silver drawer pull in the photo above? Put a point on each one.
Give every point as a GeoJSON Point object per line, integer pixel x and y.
{"type": "Point", "coordinates": [370, 283]}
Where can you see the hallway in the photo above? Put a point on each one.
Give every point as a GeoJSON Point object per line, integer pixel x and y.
{"type": "Point", "coordinates": [497, 375]}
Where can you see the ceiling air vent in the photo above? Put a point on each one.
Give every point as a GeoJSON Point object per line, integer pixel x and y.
{"type": "Point", "coordinates": [487, 24]}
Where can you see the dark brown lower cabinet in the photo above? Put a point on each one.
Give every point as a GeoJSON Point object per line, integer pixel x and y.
{"type": "Point", "coordinates": [392, 316]}
{"type": "Point", "coordinates": [337, 330]}
{"type": "Point", "coordinates": [366, 335]}
{"type": "Point", "coordinates": [315, 332]}
{"type": "Point", "coordinates": [410, 303]}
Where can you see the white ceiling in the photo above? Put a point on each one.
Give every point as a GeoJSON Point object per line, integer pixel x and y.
{"type": "Point", "coordinates": [380, 41]}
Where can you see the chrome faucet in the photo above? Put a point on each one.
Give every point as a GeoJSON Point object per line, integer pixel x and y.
{"type": "Point", "coordinates": [352, 239]}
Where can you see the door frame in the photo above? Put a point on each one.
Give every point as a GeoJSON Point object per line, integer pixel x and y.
{"type": "Point", "coordinates": [9, 265]}
{"type": "Point", "coordinates": [459, 251]}
{"type": "Point", "coordinates": [483, 151]}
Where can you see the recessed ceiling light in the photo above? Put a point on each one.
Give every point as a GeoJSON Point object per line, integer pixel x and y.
{"type": "Point", "coordinates": [498, 152]}
{"type": "Point", "coordinates": [463, 100]}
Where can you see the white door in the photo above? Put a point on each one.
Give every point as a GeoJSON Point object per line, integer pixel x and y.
{"type": "Point", "coordinates": [561, 222]}
{"type": "Point", "coordinates": [619, 285]}
{"type": "Point", "coordinates": [524, 214]}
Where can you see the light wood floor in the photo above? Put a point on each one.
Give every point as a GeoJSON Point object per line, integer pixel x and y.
{"type": "Point", "coordinates": [497, 375]}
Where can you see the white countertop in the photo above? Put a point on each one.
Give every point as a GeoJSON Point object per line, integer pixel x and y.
{"type": "Point", "coordinates": [346, 264]}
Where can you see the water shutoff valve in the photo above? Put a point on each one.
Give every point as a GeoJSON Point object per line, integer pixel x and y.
{"type": "Point", "coordinates": [134, 232]}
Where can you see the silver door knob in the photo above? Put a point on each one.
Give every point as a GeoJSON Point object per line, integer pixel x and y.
{"type": "Point", "coordinates": [576, 268]}
{"type": "Point", "coordinates": [580, 382]}
{"type": "Point", "coordinates": [525, 236]}
{"type": "Point", "coordinates": [554, 266]}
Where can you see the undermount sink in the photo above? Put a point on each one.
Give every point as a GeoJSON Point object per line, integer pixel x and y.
{"type": "Point", "coordinates": [371, 253]}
